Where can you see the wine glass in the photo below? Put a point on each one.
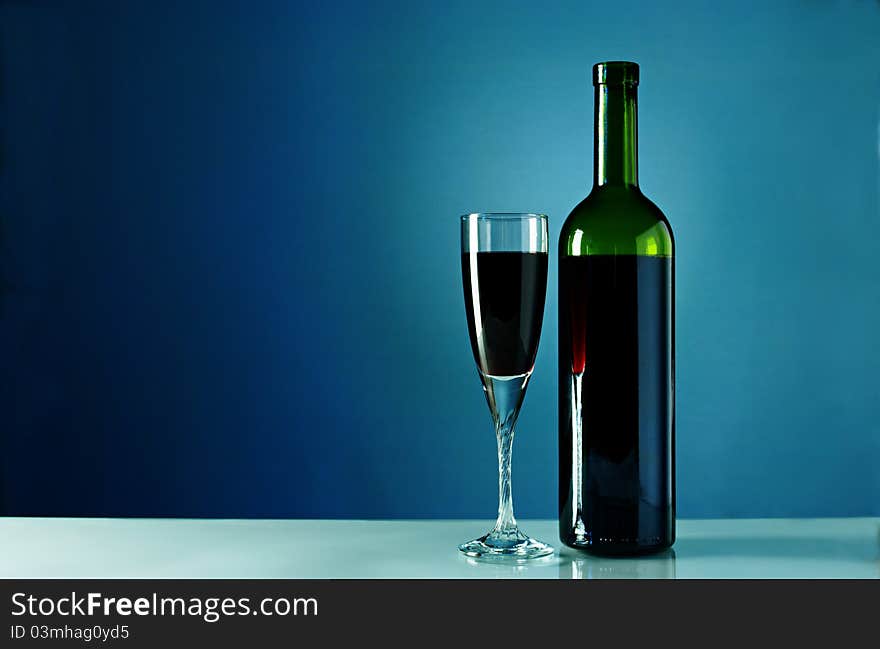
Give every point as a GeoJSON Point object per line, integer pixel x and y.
{"type": "Point", "coordinates": [504, 268]}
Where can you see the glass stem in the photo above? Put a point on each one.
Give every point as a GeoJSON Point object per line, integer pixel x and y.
{"type": "Point", "coordinates": [504, 434]}
{"type": "Point", "coordinates": [505, 396]}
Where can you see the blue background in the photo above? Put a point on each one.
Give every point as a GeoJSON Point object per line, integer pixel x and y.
{"type": "Point", "coordinates": [229, 248]}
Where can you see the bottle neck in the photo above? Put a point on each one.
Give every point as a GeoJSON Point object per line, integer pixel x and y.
{"type": "Point", "coordinates": [615, 150]}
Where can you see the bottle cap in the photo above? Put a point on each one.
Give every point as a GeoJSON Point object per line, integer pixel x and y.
{"type": "Point", "coordinates": [616, 72]}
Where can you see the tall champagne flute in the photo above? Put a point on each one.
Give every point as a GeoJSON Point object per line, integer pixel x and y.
{"type": "Point", "coordinates": [504, 268]}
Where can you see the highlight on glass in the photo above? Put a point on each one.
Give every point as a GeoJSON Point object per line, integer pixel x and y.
{"type": "Point", "coordinates": [504, 272]}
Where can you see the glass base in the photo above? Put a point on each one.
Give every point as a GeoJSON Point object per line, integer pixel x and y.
{"type": "Point", "coordinates": [508, 545]}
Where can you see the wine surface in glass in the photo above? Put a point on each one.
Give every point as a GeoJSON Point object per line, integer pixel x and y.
{"type": "Point", "coordinates": [504, 300]}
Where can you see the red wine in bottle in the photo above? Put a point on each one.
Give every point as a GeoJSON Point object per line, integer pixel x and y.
{"type": "Point", "coordinates": [616, 346]}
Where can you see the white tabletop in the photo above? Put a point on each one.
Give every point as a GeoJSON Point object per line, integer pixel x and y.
{"type": "Point", "coordinates": [184, 548]}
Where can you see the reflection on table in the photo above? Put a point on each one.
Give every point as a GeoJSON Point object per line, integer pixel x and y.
{"type": "Point", "coordinates": [573, 564]}
{"type": "Point", "coordinates": [578, 565]}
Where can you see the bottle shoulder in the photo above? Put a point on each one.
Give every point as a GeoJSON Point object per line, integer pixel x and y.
{"type": "Point", "coordinates": [616, 221]}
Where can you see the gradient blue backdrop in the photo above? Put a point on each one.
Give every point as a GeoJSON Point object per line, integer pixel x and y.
{"type": "Point", "coordinates": [229, 248]}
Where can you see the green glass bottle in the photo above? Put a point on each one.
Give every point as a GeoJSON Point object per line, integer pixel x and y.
{"type": "Point", "coordinates": [616, 345]}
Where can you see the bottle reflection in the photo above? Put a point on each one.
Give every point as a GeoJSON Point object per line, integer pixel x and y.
{"type": "Point", "coordinates": [576, 565]}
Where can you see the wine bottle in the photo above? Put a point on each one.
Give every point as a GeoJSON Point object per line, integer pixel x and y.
{"type": "Point", "coordinates": [616, 345]}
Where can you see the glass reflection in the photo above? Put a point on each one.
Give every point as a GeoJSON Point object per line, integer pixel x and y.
{"type": "Point", "coordinates": [492, 568]}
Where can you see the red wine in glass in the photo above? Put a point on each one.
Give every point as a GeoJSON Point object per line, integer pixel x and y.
{"type": "Point", "coordinates": [504, 300]}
